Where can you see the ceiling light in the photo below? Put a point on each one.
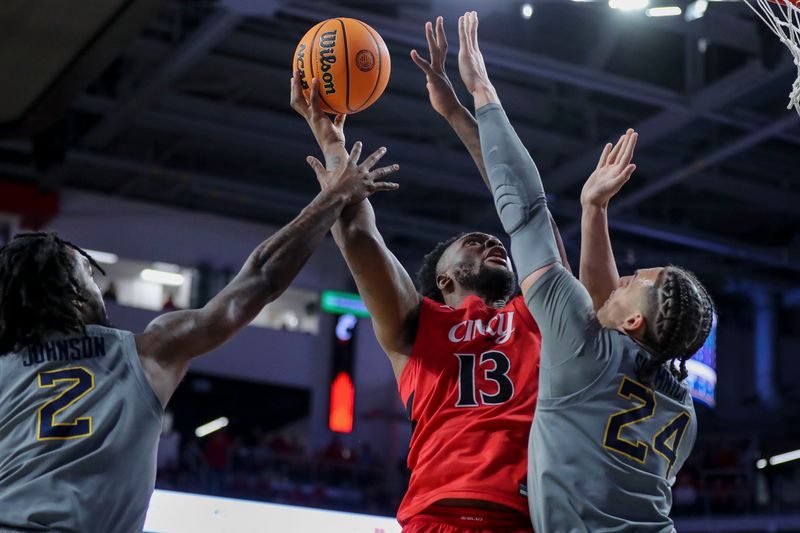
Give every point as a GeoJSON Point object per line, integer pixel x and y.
{"type": "Point", "coordinates": [628, 5]}
{"type": "Point", "coordinates": [696, 10]}
{"type": "Point", "coordinates": [526, 11]}
{"type": "Point", "coordinates": [784, 457]}
{"type": "Point", "coordinates": [669, 11]}
{"type": "Point", "coordinates": [162, 277]}
{"type": "Point", "coordinates": [210, 427]}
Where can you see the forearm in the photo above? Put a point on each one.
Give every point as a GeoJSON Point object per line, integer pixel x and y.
{"type": "Point", "coordinates": [174, 338]}
{"type": "Point", "coordinates": [483, 95]}
{"type": "Point", "coordinates": [598, 270]}
{"type": "Point", "coordinates": [277, 260]}
{"type": "Point", "coordinates": [382, 282]}
{"type": "Point", "coordinates": [518, 192]}
{"type": "Point", "coordinates": [334, 153]}
{"type": "Point", "coordinates": [466, 128]}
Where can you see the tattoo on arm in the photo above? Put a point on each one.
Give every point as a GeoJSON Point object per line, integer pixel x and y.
{"type": "Point", "coordinates": [334, 162]}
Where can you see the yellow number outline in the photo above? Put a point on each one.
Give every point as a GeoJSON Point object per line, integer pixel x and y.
{"type": "Point", "coordinates": [676, 436]}
{"type": "Point", "coordinates": [639, 443]}
{"type": "Point", "coordinates": [75, 382]}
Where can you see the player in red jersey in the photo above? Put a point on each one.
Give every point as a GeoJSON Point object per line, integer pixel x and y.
{"type": "Point", "coordinates": [465, 352]}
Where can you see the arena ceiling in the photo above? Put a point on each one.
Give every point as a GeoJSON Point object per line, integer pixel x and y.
{"type": "Point", "coordinates": [195, 113]}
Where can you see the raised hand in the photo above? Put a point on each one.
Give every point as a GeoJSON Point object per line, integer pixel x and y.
{"type": "Point", "coordinates": [440, 90]}
{"type": "Point", "coordinates": [327, 133]}
{"type": "Point", "coordinates": [470, 60]}
{"type": "Point", "coordinates": [356, 182]}
{"type": "Point", "coordinates": [613, 170]}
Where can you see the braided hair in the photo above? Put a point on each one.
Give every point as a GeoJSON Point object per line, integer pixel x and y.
{"type": "Point", "coordinates": [39, 289]}
{"type": "Point", "coordinates": [679, 316]}
{"type": "Point", "coordinates": [426, 276]}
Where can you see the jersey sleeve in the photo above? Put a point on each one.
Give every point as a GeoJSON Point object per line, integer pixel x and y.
{"type": "Point", "coordinates": [575, 347]}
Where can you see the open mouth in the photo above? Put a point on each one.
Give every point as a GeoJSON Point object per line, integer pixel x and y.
{"type": "Point", "coordinates": [496, 259]}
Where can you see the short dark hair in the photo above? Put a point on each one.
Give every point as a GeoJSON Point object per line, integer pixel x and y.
{"type": "Point", "coordinates": [426, 275]}
{"type": "Point", "coordinates": [679, 319]}
{"type": "Point", "coordinates": [39, 289]}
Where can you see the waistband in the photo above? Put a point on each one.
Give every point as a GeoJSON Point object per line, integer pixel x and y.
{"type": "Point", "coordinates": [472, 517]}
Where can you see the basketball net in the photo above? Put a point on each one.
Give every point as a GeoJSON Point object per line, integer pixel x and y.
{"type": "Point", "coordinates": [784, 21]}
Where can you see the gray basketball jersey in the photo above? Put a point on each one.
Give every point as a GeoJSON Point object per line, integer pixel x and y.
{"type": "Point", "coordinates": [605, 445]}
{"type": "Point", "coordinates": [79, 428]}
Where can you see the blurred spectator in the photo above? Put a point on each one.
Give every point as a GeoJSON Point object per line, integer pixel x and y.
{"type": "Point", "coordinates": [215, 453]}
{"type": "Point", "coordinates": [169, 304]}
{"type": "Point", "coordinates": [168, 446]}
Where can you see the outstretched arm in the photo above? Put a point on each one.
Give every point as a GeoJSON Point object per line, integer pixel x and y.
{"type": "Point", "coordinates": [598, 270]}
{"type": "Point", "coordinates": [383, 283]}
{"type": "Point", "coordinates": [445, 102]}
{"type": "Point", "coordinates": [574, 346]}
{"type": "Point", "coordinates": [442, 96]}
{"type": "Point", "coordinates": [170, 341]}
{"type": "Point", "coordinates": [514, 179]}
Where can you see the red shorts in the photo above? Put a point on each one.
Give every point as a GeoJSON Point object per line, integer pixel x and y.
{"type": "Point", "coordinates": [442, 519]}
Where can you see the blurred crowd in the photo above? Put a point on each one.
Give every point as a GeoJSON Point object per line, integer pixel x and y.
{"type": "Point", "coordinates": [278, 468]}
{"type": "Point", "coordinates": [720, 477]}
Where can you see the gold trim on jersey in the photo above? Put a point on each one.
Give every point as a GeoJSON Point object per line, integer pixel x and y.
{"type": "Point", "coordinates": [53, 423]}
{"type": "Point", "coordinates": [639, 443]}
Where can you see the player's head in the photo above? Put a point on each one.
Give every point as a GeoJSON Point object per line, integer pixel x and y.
{"type": "Point", "coordinates": [474, 263]}
{"type": "Point", "coordinates": [666, 309]}
{"type": "Point", "coordinates": [46, 285]}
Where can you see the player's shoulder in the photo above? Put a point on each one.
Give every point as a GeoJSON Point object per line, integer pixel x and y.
{"type": "Point", "coordinates": [432, 306]}
{"type": "Point", "coordinates": [517, 304]}
{"type": "Point", "coordinates": [109, 332]}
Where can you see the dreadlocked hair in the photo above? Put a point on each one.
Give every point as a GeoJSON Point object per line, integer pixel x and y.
{"type": "Point", "coordinates": [39, 289]}
{"type": "Point", "coordinates": [426, 275]}
{"type": "Point", "coordinates": [679, 318]}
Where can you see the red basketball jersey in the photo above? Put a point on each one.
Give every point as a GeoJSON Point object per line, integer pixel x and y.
{"type": "Point", "coordinates": [470, 390]}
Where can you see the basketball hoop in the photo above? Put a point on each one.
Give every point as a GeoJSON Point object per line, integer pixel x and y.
{"type": "Point", "coordinates": [783, 18]}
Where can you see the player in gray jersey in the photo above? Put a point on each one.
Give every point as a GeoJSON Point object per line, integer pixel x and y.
{"type": "Point", "coordinates": [613, 422]}
{"type": "Point", "coordinates": [81, 403]}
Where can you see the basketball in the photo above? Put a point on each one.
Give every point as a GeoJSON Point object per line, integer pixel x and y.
{"type": "Point", "coordinates": [349, 59]}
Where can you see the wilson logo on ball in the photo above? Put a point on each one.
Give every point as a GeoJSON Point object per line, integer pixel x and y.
{"type": "Point", "coordinates": [327, 58]}
{"type": "Point", "coordinates": [365, 60]}
{"type": "Point", "coordinates": [349, 59]}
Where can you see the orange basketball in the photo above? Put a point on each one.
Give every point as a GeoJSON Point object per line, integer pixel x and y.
{"type": "Point", "coordinates": [349, 59]}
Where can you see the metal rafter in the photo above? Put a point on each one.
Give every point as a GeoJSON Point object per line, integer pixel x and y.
{"type": "Point", "coordinates": [193, 49]}
{"type": "Point", "coordinates": [711, 158]}
{"type": "Point", "coordinates": [505, 58]}
{"type": "Point", "coordinates": [651, 130]}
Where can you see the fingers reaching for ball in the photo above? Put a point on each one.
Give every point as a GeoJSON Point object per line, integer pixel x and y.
{"type": "Point", "coordinates": [355, 181]}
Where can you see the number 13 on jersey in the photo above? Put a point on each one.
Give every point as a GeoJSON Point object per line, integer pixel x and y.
{"type": "Point", "coordinates": [498, 374]}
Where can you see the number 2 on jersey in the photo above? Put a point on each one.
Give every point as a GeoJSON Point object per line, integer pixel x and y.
{"type": "Point", "coordinates": [665, 442]}
{"type": "Point", "coordinates": [77, 382]}
{"type": "Point", "coordinates": [498, 374]}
